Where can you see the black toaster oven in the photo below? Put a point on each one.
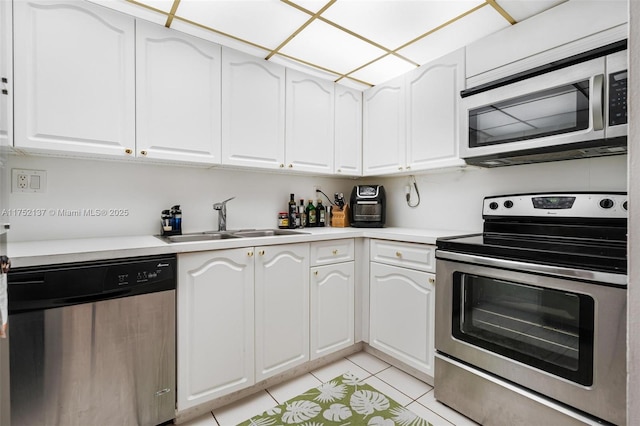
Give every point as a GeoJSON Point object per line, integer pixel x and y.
{"type": "Point", "coordinates": [368, 204]}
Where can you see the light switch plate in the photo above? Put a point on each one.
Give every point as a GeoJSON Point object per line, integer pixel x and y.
{"type": "Point", "coordinates": [23, 180]}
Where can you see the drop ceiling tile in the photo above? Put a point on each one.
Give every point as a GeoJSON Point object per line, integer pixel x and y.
{"type": "Point", "coordinates": [521, 10]}
{"type": "Point", "coordinates": [331, 48]}
{"type": "Point", "coordinates": [383, 70]}
{"type": "Point", "coordinates": [311, 5]}
{"type": "Point", "coordinates": [264, 22]}
{"type": "Point", "coordinates": [393, 23]}
{"type": "Point", "coordinates": [460, 33]}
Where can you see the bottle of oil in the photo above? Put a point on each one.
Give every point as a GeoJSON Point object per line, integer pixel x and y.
{"type": "Point", "coordinates": [294, 220]}
{"type": "Point", "coordinates": [311, 214]}
{"type": "Point", "coordinates": [321, 213]}
{"type": "Point", "coordinates": [302, 214]}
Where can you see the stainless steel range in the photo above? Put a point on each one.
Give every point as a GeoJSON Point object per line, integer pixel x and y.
{"type": "Point", "coordinates": [531, 314]}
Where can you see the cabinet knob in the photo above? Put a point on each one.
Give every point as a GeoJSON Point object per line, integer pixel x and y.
{"type": "Point", "coordinates": [261, 252]}
{"type": "Point", "coordinates": [128, 151]}
{"type": "Point", "coordinates": [143, 152]}
{"type": "Point", "coordinates": [315, 273]}
{"type": "Point", "coordinates": [432, 280]}
{"type": "Point", "coordinates": [281, 165]}
{"type": "Point", "coordinates": [399, 168]}
{"type": "Point", "coordinates": [408, 168]}
{"type": "Point", "coordinates": [398, 254]}
{"type": "Point", "coordinates": [335, 252]}
{"type": "Point", "coordinates": [250, 254]}
{"type": "Point", "coordinates": [291, 166]}
{"type": "Point", "coordinates": [339, 170]}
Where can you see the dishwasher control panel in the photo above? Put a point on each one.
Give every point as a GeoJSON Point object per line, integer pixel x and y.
{"type": "Point", "coordinates": [140, 273]}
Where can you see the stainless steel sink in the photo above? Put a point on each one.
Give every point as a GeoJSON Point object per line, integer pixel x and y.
{"type": "Point", "coordinates": [217, 235]}
{"type": "Point", "coordinates": [266, 233]}
{"type": "Point", "coordinates": [199, 236]}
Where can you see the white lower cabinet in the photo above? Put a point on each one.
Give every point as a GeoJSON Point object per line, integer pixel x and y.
{"type": "Point", "coordinates": [401, 309]}
{"type": "Point", "coordinates": [243, 316]}
{"type": "Point", "coordinates": [282, 308]}
{"type": "Point", "coordinates": [215, 324]}
{"type": "Point", "coordinates": [332, 308]}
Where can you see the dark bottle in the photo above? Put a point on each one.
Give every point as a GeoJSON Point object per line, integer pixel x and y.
{"type": "Point", "coordinates": [321, 213]}
{"type": "Point", "coordinates": [311, 215]}
{"type": "Point", "coordinates": [293, 212]}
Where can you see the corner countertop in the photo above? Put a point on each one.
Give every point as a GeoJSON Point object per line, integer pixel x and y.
{"type": "Point", "coordinates": [48, 252]}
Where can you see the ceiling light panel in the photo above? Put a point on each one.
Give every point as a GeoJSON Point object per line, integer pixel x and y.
{"type": "Point", "coordinates": [163, 5]}
{"type": "Point", "coordinates": [460, 33]}
{"type": "Point", "coordinates": [383, 70]}
{"type": "Point", "coordinates": [393, 23]}
{"type": "Point", "coordinates": [521, 10]}
{"type": "Point", "coordinates": [331, 48]}
{"type": "Point", "coordinates": [264, 22]}
{"type": "Point", "coordinates": [311, 5]}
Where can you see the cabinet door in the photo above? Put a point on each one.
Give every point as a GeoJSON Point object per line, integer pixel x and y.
{"type": "Point", "coordinates": [282, 308]}
{"type": "Point", "coordinates": [177, 96]}
{"type": "Point", "coordinates": [433, 93]}
{"type": "Point", "coordinates": [6, 73]}
{"type": "Point", "coordinates": [253, 108]}
{"type": "Point", "coordinates": [332, 308]}
{"type": "Point", "coordinates": [309, 123]}
{"type": "Point", "coordinates": [384, 128]}
{"type": "Point", "coordinates": [215, 324]}
{"type": "Point", "coordinates": [348, 132]}
{"type": "Point", "coordinates": [74, 78]}
{"type": "Point", "coordinates": [402, 314]}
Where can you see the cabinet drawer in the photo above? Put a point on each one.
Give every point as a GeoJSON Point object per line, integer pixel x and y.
{"type": "Point", "coordinates": [326, 252]}
{"type": "Point", "coordinates": [408, 255]}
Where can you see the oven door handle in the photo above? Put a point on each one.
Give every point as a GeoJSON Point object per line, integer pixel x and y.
{"type": "Point", "coordinates": [556, 271]}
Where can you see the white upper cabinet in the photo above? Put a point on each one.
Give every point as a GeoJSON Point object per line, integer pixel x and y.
{"type": "Point", "coordinates": [177, 96]}
{"type": "Point", "coordinates": [6, 73]}
{"type": "Point", "coordinates": [384, 128]}
{"type": "Point", "coordinates": [411, 122]}
{"type": "Point", "coordinates": [433, 94]}
{"type": "Point", "coordinates": [253, 111]}
{"type": "Point", "coordinates": [348, 132]}
{"type": "Point", "coordinates": [74, 78]}
{"type": "Point", "coordinates": [309, 128]}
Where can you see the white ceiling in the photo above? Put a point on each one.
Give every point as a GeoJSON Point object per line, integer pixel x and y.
{"type": "Point", "coordinates": [359, 43]}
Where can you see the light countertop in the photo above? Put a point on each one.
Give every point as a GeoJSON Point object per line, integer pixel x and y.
{"type": "Point", "coordinates": [47, 252]}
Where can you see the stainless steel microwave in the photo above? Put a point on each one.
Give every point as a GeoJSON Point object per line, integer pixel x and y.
{"type": "Point", "coordinates": [574, 108]}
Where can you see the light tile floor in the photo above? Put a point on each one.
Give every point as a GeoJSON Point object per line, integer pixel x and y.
{"type": "Point", "coordinates": [400, 386]}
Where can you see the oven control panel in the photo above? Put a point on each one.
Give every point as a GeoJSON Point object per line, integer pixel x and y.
{"type": "Point", "coordinates": [580, 205]}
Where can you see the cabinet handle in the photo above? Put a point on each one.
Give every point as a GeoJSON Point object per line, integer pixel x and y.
{"type": "Point", "coordinates": [335, 252]}
{"type": "Point", "coordinates": [250, 254]}
{"type": "Point", "coordinates": [398, 254]}
{"type": "Point", "coordinates": [261, 252]}
{"type": "Point", "coordinates": [128, 151]}
{"type": "Point", "coordinates": [432, 280]}
{"type": "Point", "coordinates": [143, 152]}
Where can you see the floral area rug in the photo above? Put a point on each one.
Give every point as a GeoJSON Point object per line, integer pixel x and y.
{"type": "Point", "coordinates": [344, 401]}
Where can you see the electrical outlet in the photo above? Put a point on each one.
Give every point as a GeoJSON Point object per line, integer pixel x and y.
{"type": "Point", "coordinates": [28, 180]}
{"type": "Point", "coordinates": [316, 188]}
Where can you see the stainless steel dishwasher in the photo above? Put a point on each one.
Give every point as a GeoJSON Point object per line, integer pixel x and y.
{"type": "Point", "coordinates": [93, 343]}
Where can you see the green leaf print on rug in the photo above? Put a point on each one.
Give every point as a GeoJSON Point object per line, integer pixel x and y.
{"type": "Point", "coordinates": [345, 401]}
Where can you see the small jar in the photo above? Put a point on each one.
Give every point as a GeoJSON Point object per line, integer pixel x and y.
{"type": "Point", "coordinates": [283, 220]}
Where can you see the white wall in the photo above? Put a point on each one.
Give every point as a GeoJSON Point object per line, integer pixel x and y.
{"type": "Point", "coordinates": [147, 189]}
{"type": "Point", "coordinates": [453, 200]}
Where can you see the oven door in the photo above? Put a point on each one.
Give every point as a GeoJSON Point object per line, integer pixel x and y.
{"type": "Point", "coordinates": [560, 337]}
{"type": "Point", "coordinates": [556, 108]}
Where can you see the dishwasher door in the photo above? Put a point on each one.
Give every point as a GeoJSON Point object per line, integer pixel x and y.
{"type": "Point", "coordinates": [110, 362]}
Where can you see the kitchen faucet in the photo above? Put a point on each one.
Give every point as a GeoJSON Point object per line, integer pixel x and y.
{"type": "Point", "coordinates": [222, 214]}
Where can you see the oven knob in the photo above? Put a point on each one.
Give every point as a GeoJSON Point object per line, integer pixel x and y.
{"type": "Point", "coordinates": [625, 205]}
{"type": "Point", "coordinates": [493, 205]}
{"type": "Point", "coordinates": [508, 204]}
{"type": "Point", "coordinates": [606, 203]}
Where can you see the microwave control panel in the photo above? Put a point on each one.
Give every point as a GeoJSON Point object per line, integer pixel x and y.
{"type": "Point", "coordinates": [618, 98]}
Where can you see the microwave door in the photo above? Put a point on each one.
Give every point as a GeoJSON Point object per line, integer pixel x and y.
{"type": "Point", "coordinates": [563, 106]}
